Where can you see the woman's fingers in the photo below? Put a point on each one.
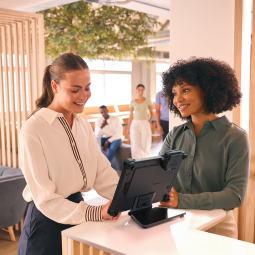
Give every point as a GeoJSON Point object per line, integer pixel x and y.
{"type": "Point", "coordinates": [165, 203]}
{"type": "Point", "coordinates": [115, 218]}
{"type": "Point", "coordinates": [105, 214]}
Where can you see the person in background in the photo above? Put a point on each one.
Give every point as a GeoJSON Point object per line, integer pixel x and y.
{"type": "Point", "coordinates": [60, 158]}
{"type": "Point", "coordinates": [139, 129]}
{"type": "Point", "coordinates": [162, 115]}
{"type": "Point", "coordinates": [111, 128]}
{"type": "Point", "coordinates": [215, 174]}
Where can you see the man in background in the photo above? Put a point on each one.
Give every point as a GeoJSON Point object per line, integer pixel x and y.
{"type": "Point", "coordinates": [162, 115]}
{"type": "Point", "coordinates": [110, 130]}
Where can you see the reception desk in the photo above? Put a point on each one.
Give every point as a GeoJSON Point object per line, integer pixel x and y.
{"type": "Point", "coordinates": [181, 236]}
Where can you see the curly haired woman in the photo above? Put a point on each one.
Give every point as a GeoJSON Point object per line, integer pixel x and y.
{"type": "Point", "coordinates": [215, 174]}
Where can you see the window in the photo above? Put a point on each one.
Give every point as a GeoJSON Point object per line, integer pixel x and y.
{"type": "Point", "coordinates": [95, 64]}
{"type": "Point", "coordinates": [158, 83]}
{"type": "Point", "coordinates": [109, 65]}
{"type": "Point", "coordinates": [160, 68]}
{"type": "Point", "coordinates": [110, 82]}
{"type": "Point", "coordinates": [118, 66]}
{"type": "Point", "coordinates": [97, 90]}
{"type": "Point", "coordinates": [118, 88]}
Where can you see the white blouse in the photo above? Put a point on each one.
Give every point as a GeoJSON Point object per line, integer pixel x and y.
{"type": "Point", "coordinates": [58, 161]}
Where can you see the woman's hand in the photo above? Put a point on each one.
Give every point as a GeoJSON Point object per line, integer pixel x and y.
{"type": "Point", "coordinates": [105, 215]}
{"type": "Point", "coordinates": [173, 199]}
{"type": "Point", "coordinates": [160, 130]}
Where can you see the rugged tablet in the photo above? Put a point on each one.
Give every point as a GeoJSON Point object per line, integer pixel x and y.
{"type": "Point", "coordinates": [146, 181]}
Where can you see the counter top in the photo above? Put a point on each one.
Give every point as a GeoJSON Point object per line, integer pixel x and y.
{"type": "Point", "coordinates": [181, 236]}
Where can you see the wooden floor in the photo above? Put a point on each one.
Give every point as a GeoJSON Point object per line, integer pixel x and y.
{"type": "Point", "coordinates": [7, 247]}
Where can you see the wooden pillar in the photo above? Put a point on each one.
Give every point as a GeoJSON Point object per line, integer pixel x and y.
{"type": "Point", "coordinates": [250, 197]}
{"type": "Point", "coordinates": [239, 213]}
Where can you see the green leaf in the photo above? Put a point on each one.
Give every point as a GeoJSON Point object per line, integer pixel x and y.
{"type": "Point", "coordinates": [108, 32]}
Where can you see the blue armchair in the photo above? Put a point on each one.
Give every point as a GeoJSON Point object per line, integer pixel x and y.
{"type": "Point", "coordinates": [13, 205]}
{"type": "Point", "coordinates": [122, 153]}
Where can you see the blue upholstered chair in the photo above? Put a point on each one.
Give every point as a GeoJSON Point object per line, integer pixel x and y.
{"type": "Point", "coordinates": [122, 153]}
{"type": "Point", "coordinates": [12, 204]}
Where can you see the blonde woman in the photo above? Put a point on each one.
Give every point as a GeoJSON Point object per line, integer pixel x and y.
{"type": "Point", "coordinates": [139, 129]}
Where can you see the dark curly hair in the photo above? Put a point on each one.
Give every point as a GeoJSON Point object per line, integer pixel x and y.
{"type": "Point", "coordinates": [215, 78]}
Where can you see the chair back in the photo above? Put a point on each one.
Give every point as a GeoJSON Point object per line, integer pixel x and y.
{"type": "Point", "coordinates": [12, 204]}
{"type": "Point", "coordinates": [123, 152]}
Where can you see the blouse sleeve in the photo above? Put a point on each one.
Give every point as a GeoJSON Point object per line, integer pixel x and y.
{"type": "Point", "coordinates": [34, 167]}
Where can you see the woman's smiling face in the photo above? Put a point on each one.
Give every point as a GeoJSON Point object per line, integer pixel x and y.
{"type": "Point", "coordinates": [74, 91]}
{"type": "Point", "coordinates": [188, 99]}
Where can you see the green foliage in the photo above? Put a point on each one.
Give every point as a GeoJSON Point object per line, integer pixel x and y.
{"type": "Point", "coordinates": [106, 32]}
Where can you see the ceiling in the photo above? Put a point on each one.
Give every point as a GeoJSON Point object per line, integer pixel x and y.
{"type": "Point", "coordinates": [159, 8]}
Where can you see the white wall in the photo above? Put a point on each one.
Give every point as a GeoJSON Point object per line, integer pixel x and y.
{"type": "Point", "coordinates": [202, 28]}
{"type": "Point", "coordinates": [146, 76]}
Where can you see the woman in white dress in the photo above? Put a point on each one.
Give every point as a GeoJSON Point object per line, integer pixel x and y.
{"type": "Point", "coordinates": [139, 129]}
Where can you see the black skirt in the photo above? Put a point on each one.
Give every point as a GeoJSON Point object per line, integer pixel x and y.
{"type": "Point", "coordinates": [41, 235]}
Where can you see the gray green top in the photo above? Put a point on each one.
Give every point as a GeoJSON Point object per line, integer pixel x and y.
{"type": "Point", "coordinates": [141, 109]}
{"type": "Point", "coordinates": [215, 174]}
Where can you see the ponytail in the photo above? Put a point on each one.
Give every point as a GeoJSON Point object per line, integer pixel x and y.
{"type": "Point", "coordinates": [47, 93]}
